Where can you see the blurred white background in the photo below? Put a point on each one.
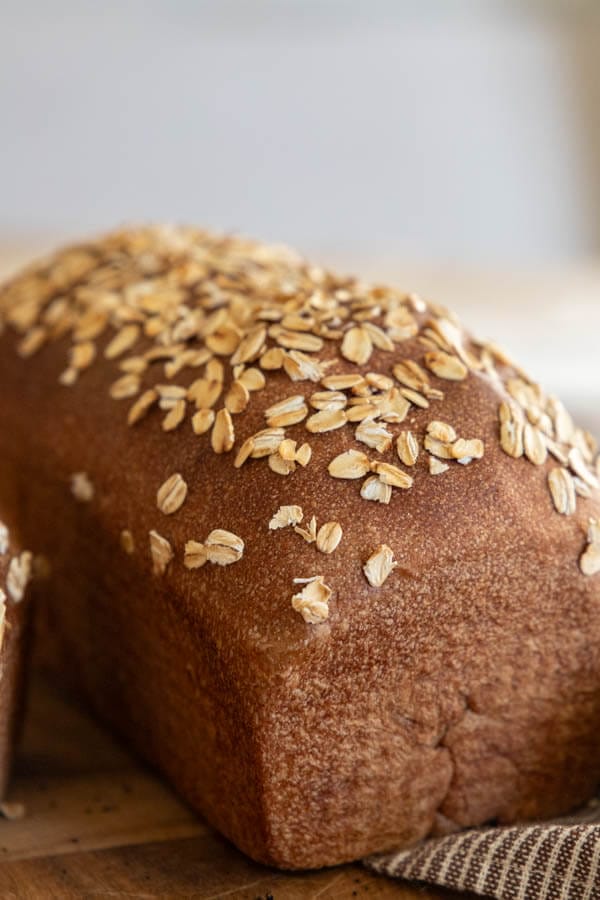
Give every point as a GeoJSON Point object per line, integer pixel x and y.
{"type": "Point", "coordinates": [433, 130]}
{"type": "Point", "coordinates": [430, 140]}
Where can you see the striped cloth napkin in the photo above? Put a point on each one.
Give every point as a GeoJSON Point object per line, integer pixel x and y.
{"type": "Point", "coordinates": [557, 860]}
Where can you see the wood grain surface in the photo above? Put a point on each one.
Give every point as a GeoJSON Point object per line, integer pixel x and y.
{"type": "Point", "coordinates": [98, 824]}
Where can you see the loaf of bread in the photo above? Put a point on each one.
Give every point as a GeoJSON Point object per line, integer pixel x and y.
{"type": "Point", "coordinates": [322, 558]}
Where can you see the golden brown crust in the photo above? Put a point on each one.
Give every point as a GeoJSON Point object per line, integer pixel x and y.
{"type": "Point", "coordinates": [462, 688]}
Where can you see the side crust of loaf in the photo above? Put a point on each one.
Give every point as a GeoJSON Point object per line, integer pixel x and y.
{"type": "Point", "coordinates": [14, 647]}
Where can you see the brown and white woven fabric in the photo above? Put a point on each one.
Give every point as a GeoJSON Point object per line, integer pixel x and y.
{"type": "Point", "coordinates": [558, 860]}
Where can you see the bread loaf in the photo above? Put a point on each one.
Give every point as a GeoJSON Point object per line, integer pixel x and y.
{"type": "Point", "coordinates": [323, 559]}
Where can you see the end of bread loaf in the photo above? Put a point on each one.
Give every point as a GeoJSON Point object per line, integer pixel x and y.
{"type": "Point", "coordinates": [15, 574]}
{"type": "Point", "coordinates": [322, 557]}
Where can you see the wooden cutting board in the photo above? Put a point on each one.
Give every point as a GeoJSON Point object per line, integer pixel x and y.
{"type": "Point", "coordinates": [98, 824]}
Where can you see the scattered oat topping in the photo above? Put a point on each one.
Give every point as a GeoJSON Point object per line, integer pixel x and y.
{"type": "Point", "coordinates": [264, 443]}
{"type": "Point", "coordinates": [225, 317]}
{"type": "Point", "coordinates": [467, 449]}
{"type": "Point", "coordinates": [563, 423]}
{"type": "Point", "coordinates": [578, 465]}
{"type": "Point", "coordinates": [81, 487]}
{"type": "Point", "coordinates": [223, 547]}
{"type": "Point", "coordinates": [287, 412]}
{"type": "Point", "coordinates": [222, 435]}
{"type": "Point", "coordinates": [313, 600]}
{"type": "Point", "coordinates": [141, 406]}
{"type": "Point", "coordinates": [125, 386]}
{"type": "Point", "coordinates": [252, 379]}
{"type": "Point", "coordinates": [357, 346]}
{"type": "Point", "coordinates": [18, 575]}
{"type": "Point", "coordinates": [127, 541]}
{"type": "Point", "coordinates": [286, 515]}
{"type": "Point", "coordinates": [310, 532]}
{"type": "Point", "coordinates": [328, 400]}
{"type": "Point", "coordinates": [303, 454]}
{"type": "Point", "coordinates": [250, 346]}
{"type": "Point", "coordinates": [161, 552]}
{"type": "Point", "coordinates": [203, 420]}
{"type": "Point", "coordinates": [122, 341]}
{"type": "Point", "coordinates": [281, 464]}
{"type": "Point", "coordinates": [171, 395]}
{"type": "Point", "coordinates": [326, 420]}
{"type": "Point", "coordinates": [3, 538]}
{"type": "Point", "coordinates": [2, 616]}
{"type": "Point", "coordinates": [511, 429]}
{"type": "Point", "coordinates": [379, 565]}
{"type": "Point", "coordinates": [82, 355]}
{"type": "Point", "coordinates": [379, 381]}
{"type": "Point", "coordinates": [171, 495]}
{"type": "Point", "coordinates": [415, 398]}
{"type": "Point", "coordinates": [287, 450]}
{"type": "Point", "coordinates": [220, 547]}
{"type": "Point", "coordinates": [446, 366]}
{"type": "Point", "coordinates": [437, 448]}
{"type": "Point", "coordinates": [557, 451]}
{"type": "Point", "coordinates": [351, 464]}
{"type": "Point", "coordinates": [175, 416]}
{"type": "Point", "coordinates": [33, 341]}
{"type": "Point", "coordinates": [589, 561]}
{"type": "Point", "coordinates": [374, 434]}
{"type": "Point", "coordinates": [329, 536]}
{"type": "Point", "coordinates": [195, 555]}
{"type": "Point", "coordinates": [441, 442]}
{"type": "Point", "coordinates": [534, 445]}
{"type": "Point", "coordinates": [407, 448]}
{"type": "Point", "coordinates": [392, 475]}
{"type": "Point", "coordinates": [300, 367]}
{"type": "Point", "coordinates": [12, 810]}
{"type": "Point", "coordinates": [237, 398]}
{"type": "Point", "coordinates": [534, 425]}
{"type": "Point", "coordinates": [273, 359]}
{"type": "Point", "coordinates": [562, 490]}
{"type": "Point", "coordinates": [410, 375]}
{"type": "Point", "coordinates": [436, 466]}
{"type": "Point", "coordinates": [342, 382]}
{"type": "Point", "coordinates": [373, 488]}
{"type": "Point", "coordinates": [441, 431]}
{"type": "Point", "coordinates": [245, 452]}
{"type": "Point", "coordinates": [581, 488]}
{"type": "Point", "coordinates": [204, 392]}
{"type": "Point", "coordinates": [69, 377]}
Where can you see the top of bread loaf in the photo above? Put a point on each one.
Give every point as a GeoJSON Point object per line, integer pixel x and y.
{"type": "Point", "coordinates": [205, 332]}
